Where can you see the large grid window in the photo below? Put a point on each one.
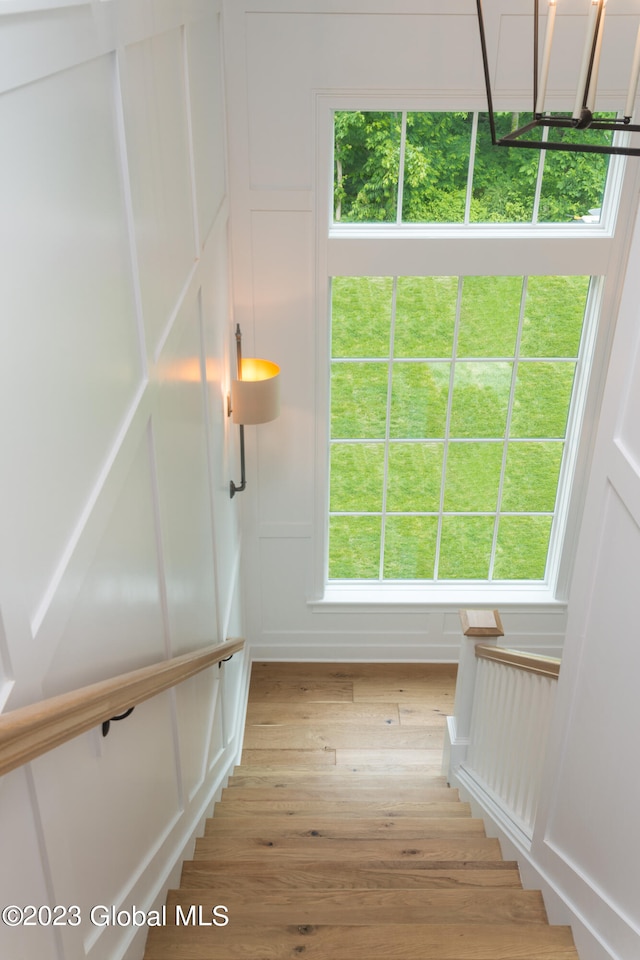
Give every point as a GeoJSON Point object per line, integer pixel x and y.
{"type": "Point", "coordinates": [450, 399]}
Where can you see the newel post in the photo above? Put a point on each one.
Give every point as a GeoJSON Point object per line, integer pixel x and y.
{"type": "Point", "coordinates": [478, 626]}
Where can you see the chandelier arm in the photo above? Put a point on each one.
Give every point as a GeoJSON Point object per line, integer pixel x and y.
{"type": "Point", "coordinates": [485, 67]}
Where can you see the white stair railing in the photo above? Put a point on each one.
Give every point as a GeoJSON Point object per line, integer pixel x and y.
{"type": "Point", "coordinates": [504, 703]}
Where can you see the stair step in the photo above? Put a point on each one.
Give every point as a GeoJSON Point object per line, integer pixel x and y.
{"type": "Point", "coordinates": [341, 809]}
{"type": "Point", "coordinates": [375, 760]}
{"type": "Point", "coordinates": [409, 777]}
{"type": "Point", "coordinates": [337, 838]}
{"type": "Point", "coordinates": [301, 713]}
{"type": "Point", "coordinates": [312, 828]}
{"type": "Point", "coordinates": [303, 791]}
{"type": "Point", "coordinates": [407, 714]}
{"type": "Point", "coordinates": [436, 673]}
{"type": "Point", "coordinates": [345, 736]}
{"type": "Point", "coordinates": [327, 848]}
{"type": "Point", "coordinates": [365, 906]}
{"type": "Point", "coordinates": [460, 941]}
{"type": "Point", "coordinates": [264, 876]}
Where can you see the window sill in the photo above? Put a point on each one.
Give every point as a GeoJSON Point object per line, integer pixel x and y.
{"type": "Point", "coordinates": [411, 597]}
{"type": "Point", "coordinates": [477, 231]}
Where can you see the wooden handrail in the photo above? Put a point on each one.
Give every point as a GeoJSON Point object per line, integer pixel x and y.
{"type": "Point", "coordinates": [531, 662]}
{"type": "Point", "coordinates": [32, 730]}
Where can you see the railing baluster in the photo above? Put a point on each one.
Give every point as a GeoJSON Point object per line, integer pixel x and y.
{"type": "Point", "coordinates": [505, 701]}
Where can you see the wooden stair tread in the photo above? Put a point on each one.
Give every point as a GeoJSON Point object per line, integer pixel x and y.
{"type": "Point", "coordinates": [321, 848]}
{"type": "Point", "coordinates": [472, 941]}
{"type": "Point", "coordinates": [313, 827]}
{"type": "Point", "coordinates": [377, 759]}
{"type": "Point", "coordinates": [313, 713]}
{"type": "Point", "coordinates": [230, 808]}
{"type": "Point", "coordinates": [367, 906]}
{"type": "Point", "coordinates": [409, 777]}
{"type": "Point", "coordinates": [433, 672]}
{"type": "Point", "coordinates": [345, 736]}
{"type": "Point", "coordinates": [345, 875]}
{"type": "Point", "coordinates": [331, 792]}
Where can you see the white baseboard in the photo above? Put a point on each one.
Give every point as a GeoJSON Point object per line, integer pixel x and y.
{"type": "Point", "coordinates": [347, 649]}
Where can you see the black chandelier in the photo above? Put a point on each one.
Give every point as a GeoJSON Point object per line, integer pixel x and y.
{"type": "Point", "coordinates": [583, 117]}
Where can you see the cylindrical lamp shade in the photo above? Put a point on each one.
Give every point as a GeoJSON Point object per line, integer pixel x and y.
{"type": "Point", "coordinates": [256, 398]}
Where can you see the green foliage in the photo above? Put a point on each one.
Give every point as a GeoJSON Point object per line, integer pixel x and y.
{"type": "Point", "coordinates": [359, 400]}
{"type": "Point", "coordinates": [554, 311]}
{"type": "Point", "coordinates": [367, 166]}
{"type": "Point", "coordinates": [412, 407]}
{"type": "Point", "coordinates": [541, 404]}
{"type": "Point", "coordinates": [473, 476]}
{"type": "Point", "coordinates": [464, 450]}
{"type": "Point", "coordinates": [415, 477]}
{"type": "Point", "coordinates": [504, 180]}
{"type": "Point", "coordinates": [436, 165]}
{"type": "Point", "coordinates": [410, 548]}
{"type": "Point", "coordinates": [522, 547]}
{"type": "Point", "coordinates": [357, 471]}
{"type": "Point", "coordinates": [361, 312]}
{"type": "Point", "coordinates": [354, 547]}
{"type": "Point", "coordinates": [489, 314]}
{"type": "Point", "coordinates": [425, 316]}
{"type": "Point", "coordinates": [465, 548]}
{"type": "Point", "coordinates": [480, 399]}
{"type": "Point", "coordinates": [573, 183]}
{"type": "Point", "coordinates": [419, 400]}
{"type": "Point", "coordinates": [531, 476]}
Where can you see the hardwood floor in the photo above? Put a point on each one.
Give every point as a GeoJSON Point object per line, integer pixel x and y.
{"type": "Point", "coordinates": [364, 717]}
{"type": "Point", "coordinates": [337, 837]}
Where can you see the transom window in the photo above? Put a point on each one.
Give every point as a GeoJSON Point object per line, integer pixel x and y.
{"type": "Point", "coordinates": [449, 408]}
{"type": "Point", "coordinates": [419, 167]}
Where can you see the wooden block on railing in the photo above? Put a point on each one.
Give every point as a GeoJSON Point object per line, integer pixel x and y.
{"type": "Point", "coordinates": [481, 623]}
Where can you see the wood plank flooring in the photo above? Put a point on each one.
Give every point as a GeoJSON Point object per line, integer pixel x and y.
{"type": "Point", "coordinates": [337, 838]}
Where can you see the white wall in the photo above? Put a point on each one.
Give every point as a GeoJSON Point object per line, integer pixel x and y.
{"type": "Point", "coordinates": [119, 543]}
{"type": "Point", "coordinates": [584, 851]}
{"type": "Point", "coordinates": [587, 836]}
{"type": "Point", "coordinates": [287, 64]}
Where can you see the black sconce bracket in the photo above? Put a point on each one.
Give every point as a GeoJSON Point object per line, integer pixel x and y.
{"type": "Point", "coordinates": [234, 487]}
{"type": "Point", "coordinates": [107, 723]}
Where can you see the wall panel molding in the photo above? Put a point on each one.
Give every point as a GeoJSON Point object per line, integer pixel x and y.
{"type": "Point", "coordinates": [121, 544]}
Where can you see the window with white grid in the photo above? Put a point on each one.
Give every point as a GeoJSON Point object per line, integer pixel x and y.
{"type": "Point", "coordinates": [450, 400]}
{"type": "Point", "coordinates": [455, 399]}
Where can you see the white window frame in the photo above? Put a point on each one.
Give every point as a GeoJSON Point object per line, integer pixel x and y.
{"type": "Point", "coordinates": [454, 250]}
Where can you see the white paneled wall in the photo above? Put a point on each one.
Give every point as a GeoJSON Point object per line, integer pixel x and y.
{"type": "Point", "coordinates": [584, 847]}
{"type": "Point", "coordinates": [119, 545]}
{"type": "Point", "coordinates": [286, 64]}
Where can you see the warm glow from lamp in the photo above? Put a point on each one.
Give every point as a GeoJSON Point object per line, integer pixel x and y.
{"type": "Point", "coordinates": [256, 397]}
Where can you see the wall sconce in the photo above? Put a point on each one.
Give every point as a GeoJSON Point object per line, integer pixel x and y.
{"type": "Point", "coordinates": [583, 116]}
{"type": "Point", "coordinates": [255, 398]}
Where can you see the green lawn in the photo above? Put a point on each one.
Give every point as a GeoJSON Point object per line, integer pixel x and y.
{"type": "Point", "coordinates": [467, 425]}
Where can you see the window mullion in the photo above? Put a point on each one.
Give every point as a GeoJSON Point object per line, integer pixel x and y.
{"type": "Point", "coordinates": [387, 430]}
{"type": "Point", "coordinates": [538, 190]}
{"type": "Point", "coordinates": [507, 429]}
{"type": "Point", "coordinates": [472, 160]}
{"type": "Point", "coordinates": [447, 428]}
{"type": "Point", "coordinates": [403, 144]}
